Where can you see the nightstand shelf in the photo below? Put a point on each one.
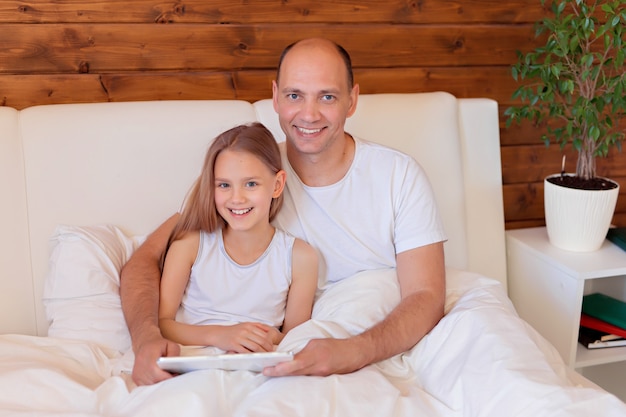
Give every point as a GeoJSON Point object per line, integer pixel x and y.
{"type": "Point", "coordinates": [591, 357]}
{"type": "Point", "coordinates": [546, 285]}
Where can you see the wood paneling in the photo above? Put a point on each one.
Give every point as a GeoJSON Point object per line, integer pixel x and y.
{"type": "Point", "coordinates": [264, 11]}
{"type": "Point", "coordinates": [22, 90]}
{"type": "Point", "coordinates": [85, 48]}
{"type": "Point", "coordinates": [75, 51]}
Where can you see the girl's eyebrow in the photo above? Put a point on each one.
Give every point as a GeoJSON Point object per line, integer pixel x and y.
{"type": "Point", "coordinates": [242, 179]}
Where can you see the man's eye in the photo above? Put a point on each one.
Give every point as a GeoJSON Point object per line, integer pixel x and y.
{"type": "Point", "coordinates": [328, 97]}
{"type": "Point", "coordinates": [292, 96]}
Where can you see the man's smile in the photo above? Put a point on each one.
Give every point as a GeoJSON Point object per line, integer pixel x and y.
{"type": "Point", "coordinates": [306, 131]}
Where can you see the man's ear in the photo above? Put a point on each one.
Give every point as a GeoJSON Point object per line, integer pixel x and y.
{"type": "Point", "coordinates": [275, 95]}
{"type": "Point", "coordinates": [354, 98]}
{"type": "Point", "coordinates": [279, 185]}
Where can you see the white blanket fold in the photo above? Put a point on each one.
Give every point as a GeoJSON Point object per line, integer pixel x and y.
{"type": "Point", "coordinates": [480, 360]}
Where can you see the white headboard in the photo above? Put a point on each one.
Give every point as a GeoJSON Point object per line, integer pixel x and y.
{"type": "Point", "coordinates": [130, 164]}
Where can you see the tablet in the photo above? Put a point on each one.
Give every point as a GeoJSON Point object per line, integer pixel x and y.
{"type": "Point", "coordinates": [228, 361]}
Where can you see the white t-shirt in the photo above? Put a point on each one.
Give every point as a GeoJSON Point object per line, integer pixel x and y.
{"type": "Point", "coordinates": [220, 291]}
{"type": "Point", "coordinates": [383, 206]}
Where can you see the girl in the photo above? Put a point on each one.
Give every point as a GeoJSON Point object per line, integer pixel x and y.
{"type": "Point", "coordinates": [235, 278]}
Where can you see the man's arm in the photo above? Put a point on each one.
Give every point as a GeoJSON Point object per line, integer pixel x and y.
{"type": "Point", "coordinates": [139, 292]}
{"type": "Point", "coordinates": [421, 274]}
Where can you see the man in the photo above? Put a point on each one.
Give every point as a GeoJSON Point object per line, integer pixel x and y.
{"type": "Point", "coordinates": [330, 179]}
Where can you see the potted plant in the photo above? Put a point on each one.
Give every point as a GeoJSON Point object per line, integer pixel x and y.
{"type": "Point", "coordinates": [575, 86]}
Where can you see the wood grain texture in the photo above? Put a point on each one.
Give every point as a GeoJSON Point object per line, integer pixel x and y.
{"type": "Point", "coordinates": [20, 91]}
{"type": "Point", "coordinates": [89, 48]}
{"type": "Point", "coordinates": [270, 11]}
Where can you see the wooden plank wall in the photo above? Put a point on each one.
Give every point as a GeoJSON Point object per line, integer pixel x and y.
{"type": "Point", "coordinates": [73, 51]}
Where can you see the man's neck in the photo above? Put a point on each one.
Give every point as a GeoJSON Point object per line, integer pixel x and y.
{"type": "Point", "coordinates": [325, 168]}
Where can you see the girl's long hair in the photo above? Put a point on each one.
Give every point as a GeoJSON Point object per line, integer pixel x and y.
{"type": "Point", "coordinates": [200, 212]}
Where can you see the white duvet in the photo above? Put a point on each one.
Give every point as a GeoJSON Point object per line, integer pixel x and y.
{"type": "Point", "coordinates": [480, 360]}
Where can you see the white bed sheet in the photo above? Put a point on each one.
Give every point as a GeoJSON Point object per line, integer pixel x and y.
{"type": "Point", "coordinates": [480, 360]}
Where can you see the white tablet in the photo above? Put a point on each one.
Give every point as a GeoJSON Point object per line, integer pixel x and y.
{"type": "Point", "coordinates": [229, 361]}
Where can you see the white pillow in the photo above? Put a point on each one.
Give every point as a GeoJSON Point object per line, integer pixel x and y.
{"type": "Point", "coordinates": [81, 293]}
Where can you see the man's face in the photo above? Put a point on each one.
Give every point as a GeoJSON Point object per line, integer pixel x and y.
{"type": "Point", "coordinates": [313, 99]}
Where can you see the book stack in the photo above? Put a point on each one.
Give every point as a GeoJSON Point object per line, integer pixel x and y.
{"type": "Point", "coordinates": [602, 322]}
{"type": "Point", "coordinates": [617, 235]}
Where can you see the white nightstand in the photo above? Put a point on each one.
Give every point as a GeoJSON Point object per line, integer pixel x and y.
{"type": "Point", "coordinates": [546, 285]}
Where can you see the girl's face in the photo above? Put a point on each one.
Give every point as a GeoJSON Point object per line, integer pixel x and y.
{"type": "Point", "coordinates": [244, 188]}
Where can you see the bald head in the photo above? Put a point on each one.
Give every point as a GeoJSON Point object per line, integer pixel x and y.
{"type": "Point", "coordinates": [319, 45]}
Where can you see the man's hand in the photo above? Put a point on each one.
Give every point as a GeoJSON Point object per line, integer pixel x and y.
{"type": "Point", "coordinates": [145, 369]}
{"type": "Point", "coordinates": [323, 357]}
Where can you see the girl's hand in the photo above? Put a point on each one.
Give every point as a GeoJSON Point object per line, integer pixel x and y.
{"type": "Point", "coordinates": [275, 335]}
{"type": "Point", "coordinates": [246, 338]}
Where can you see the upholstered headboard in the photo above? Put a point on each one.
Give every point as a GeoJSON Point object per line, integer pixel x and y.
{"type": "Point", "coordinates": [130, 164]}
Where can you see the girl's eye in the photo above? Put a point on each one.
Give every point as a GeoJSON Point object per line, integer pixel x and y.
{"type": "Point", "coordinates": [251, 184]}
{"type": "Point", "coordinates": [222, 185]}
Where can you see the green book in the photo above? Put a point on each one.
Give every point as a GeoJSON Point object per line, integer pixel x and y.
{"type": "Point", "coordinates": [617, 235]}
{"type": "Point", "coordinates": [603, 307]}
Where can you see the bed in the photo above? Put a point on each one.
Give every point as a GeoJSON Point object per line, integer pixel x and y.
{"type": "Point", "coordinates": [83, 184]}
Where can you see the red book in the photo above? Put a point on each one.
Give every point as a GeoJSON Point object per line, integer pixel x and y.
{"type": "Point", "coordinates": [603, 326]}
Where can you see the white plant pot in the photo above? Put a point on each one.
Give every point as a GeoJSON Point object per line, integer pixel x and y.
{"type": "Point", "coordinates": [578, 220]}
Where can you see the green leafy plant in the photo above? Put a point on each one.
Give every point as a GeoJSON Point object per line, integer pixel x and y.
{"type": "Point", "coordinates": [577, 79]}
